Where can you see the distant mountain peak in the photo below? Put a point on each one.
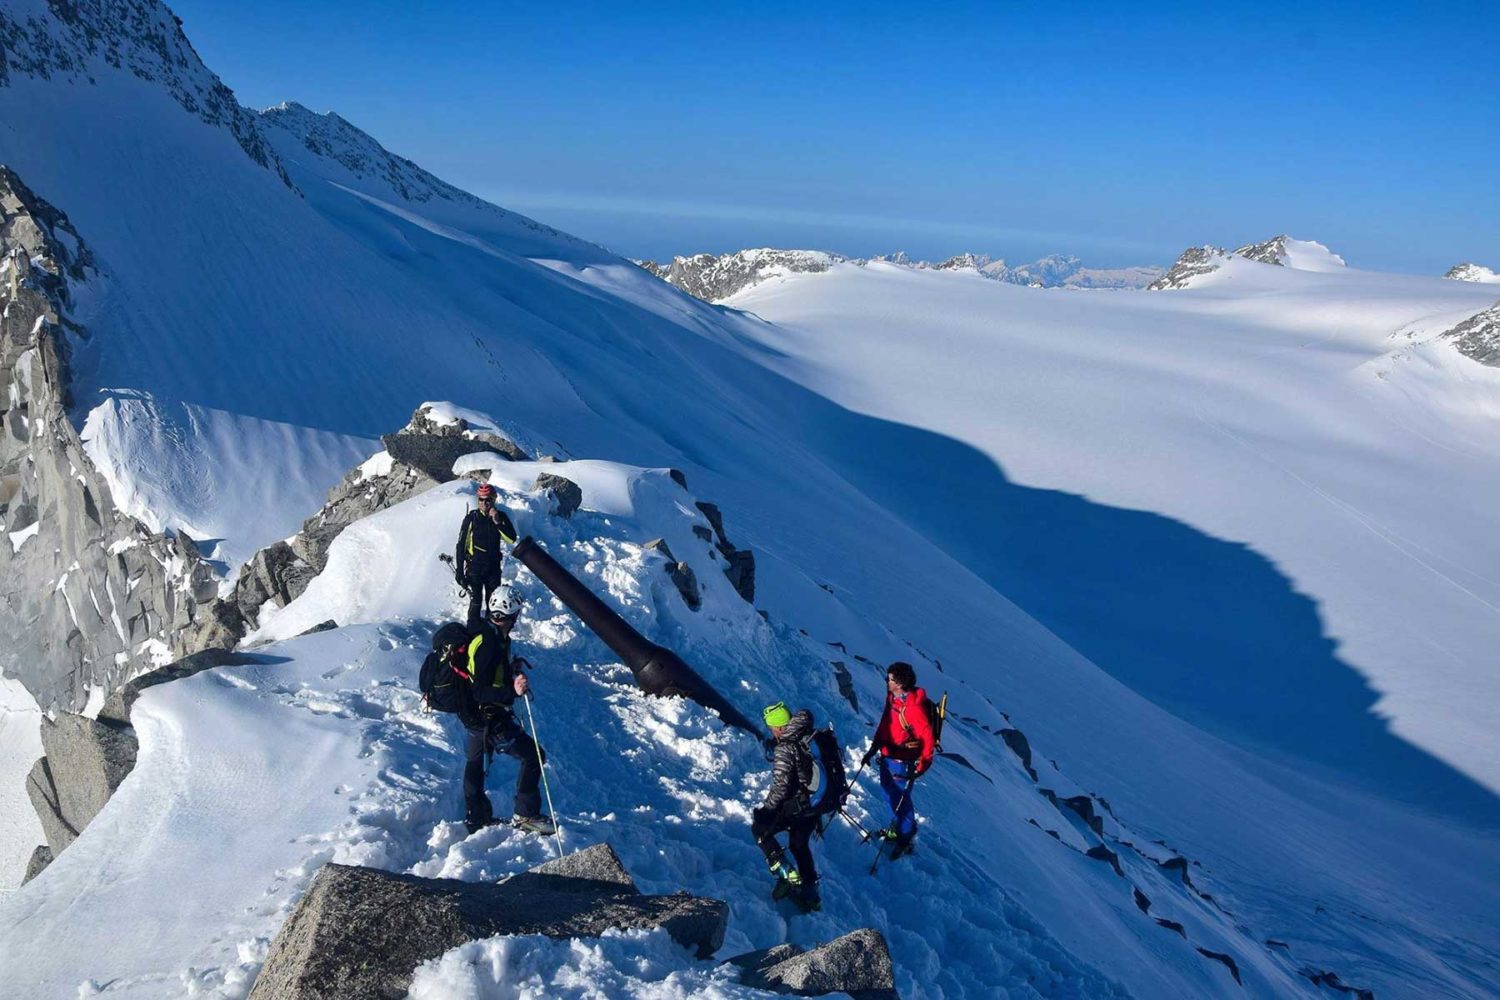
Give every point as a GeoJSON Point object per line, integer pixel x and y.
{"type": "Point", "coordinates": [1299, 255]}
{"type": "Point", "coordinates": [1278, 251]}
{"type": "Point", "coordinates": [1473, 272]}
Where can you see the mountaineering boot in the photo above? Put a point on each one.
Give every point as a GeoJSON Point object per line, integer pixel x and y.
{"type": "Point", "coordinates": [788, 879]}
{"type": "Point", "coordinates": [902, 846]}
{"type": "Point", "coordinates": [808, 898]}
{"type": "Point", "coordinates": [886, 833]}
{"type": "Point", "coordinates": [534, 824]}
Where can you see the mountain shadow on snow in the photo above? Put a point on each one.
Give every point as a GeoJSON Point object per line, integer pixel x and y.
{"type": "Point", "coordinates": [1205, 628]}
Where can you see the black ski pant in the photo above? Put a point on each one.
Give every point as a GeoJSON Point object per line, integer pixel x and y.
{"type": "Point", "coordinates": [479, 598]}
{"type": "Point", "coordinates": [499, 735]}
{"type": "Point", "coordinates": [765, 824]}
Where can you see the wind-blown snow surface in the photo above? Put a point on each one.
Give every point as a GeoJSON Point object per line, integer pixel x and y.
{"type": "Point", "coordinates": [1184, 418]}
{"type": "Point", "coordinates": [20, 746]}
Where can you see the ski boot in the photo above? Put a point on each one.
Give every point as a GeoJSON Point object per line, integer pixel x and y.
{"type": "Point", "coordinates": [541, 825]}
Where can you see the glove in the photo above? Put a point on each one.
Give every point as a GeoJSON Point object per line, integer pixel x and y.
{"type": "Point", "coordinates": [458, 576]}
{"type": "Point", "coordinates": [869, 756]}
{"type": "Point", "coordinates": [922, 767]}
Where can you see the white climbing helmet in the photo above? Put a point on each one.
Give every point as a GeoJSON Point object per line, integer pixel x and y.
{"type": "Point", "coordinates": [505, 602]}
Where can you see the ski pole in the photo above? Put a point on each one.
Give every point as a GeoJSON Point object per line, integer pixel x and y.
{"type": "Point", "coordinates": [542, 763]}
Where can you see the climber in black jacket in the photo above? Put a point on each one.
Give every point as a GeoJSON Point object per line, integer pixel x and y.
{"type": "Point", "coordinates": [490, 724]}
{"type": "Point", "coordinates": [786, 807]}
{"type": "Point", "coordinates": [478, 557]}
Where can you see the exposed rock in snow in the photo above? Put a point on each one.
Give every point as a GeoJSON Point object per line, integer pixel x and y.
{"type": "Point", "coordinates": [1478, 337]}
{"type": "Point", "coordinates": [86, 761]}
{"type": "Point", "coordinates": [714, 278]}
{"type": "Point", "coordinates": [361, 933]}
{"type": "Point", "coordinates": [40, 859]}
{"type": "Point", "coordinates": [93, 596]}
{"type": "Point", "coordinates": [1194, 262]}
{"type": "Point", "coordinates": [680, 573]}
{"type": "Point", "coordinates": [1473, 272]}
{"type": "Point", "coordinates": [858, 963]}
{"type": "Point", "coordinates": [741, 562]}
{"type": "Point", "coordinates": [1299, 255]}
{"type": "Point", "coordinates": [76, 40]}
{"type": "Point", "coordinates": [566, 496]}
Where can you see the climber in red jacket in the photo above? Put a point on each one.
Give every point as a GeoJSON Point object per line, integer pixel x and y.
{"type": "Point", "coordinates": [906, 743]}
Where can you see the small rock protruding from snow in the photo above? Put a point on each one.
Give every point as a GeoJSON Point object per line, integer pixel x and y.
{"type": "Point", "coordinates": [1473, 272]}
{"type": "Point", "coordinates": [1298, 255]}
{"type": "Point", "coordinates": [40, 859]}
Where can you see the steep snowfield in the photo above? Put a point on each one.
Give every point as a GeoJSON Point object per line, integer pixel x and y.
{"type": "Point", "coordinates": [1279, 492]}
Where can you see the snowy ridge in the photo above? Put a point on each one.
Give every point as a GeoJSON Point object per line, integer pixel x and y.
{"type": "Point", "coordinates": [714, 278]}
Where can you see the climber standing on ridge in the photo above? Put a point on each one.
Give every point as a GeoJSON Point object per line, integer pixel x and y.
{"type": "Point", "coordinates": [906, 742]}
{"type": "Point", "coordinates": [478, 558]}
{"type": "Point", "coordinates": [786, 807]}
{"type": "Point", "coordinates": [490, 726]}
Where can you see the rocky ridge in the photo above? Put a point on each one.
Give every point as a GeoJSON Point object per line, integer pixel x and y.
{"type": "Point", "coordinates": [91, 596]}
{"type": "Point", "coordinates": [715, 277]}
{"type": "Point", "coordinates": [141, 36]}
{"type": "Point", "coordinates": [1278, 251]}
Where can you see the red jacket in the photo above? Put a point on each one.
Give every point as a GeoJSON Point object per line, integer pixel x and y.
{"type": "Point", "coordinates": [905, 731]}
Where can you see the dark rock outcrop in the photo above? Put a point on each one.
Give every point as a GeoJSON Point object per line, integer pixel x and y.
{"type": "Point", "coordinates": [1478, 337]}
{"type": "Point", "coordinates": [360, 933]}
{"type": "Point", "coordinates": [566, 495]}
{"type": "Point", "coordinates": [680, 573]}
{"type": "Point", "coordinates": [86, 759]}
{"type": "Point", "coordinates": [1194, 262]}
{"type": "Point", "coordinates": [740, 568]}
{"type": "Point", "coordinates": [40, 859]}
{"type": "Point", "coordinates": [859, 964]}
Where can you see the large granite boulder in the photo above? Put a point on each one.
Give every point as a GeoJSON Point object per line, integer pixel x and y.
{"type": "Point", "coordinates": [859, 964]}
{"type": "Point", "coordinates": [86, 759]}
{"type": "Point", "coordinates": [360, 933]}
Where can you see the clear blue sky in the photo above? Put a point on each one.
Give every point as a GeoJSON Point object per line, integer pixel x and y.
{"type": "Point", "coordinates": [1120, 132]}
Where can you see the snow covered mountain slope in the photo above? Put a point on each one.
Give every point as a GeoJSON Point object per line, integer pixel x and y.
{"type": "Point", "coordinates": [1183, 689]}
{"type": "Point", "coordinates": [1473, 272]}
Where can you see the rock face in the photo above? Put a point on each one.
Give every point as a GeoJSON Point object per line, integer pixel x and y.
{"type": "Point", "coordinates": [1300, 255]}
{"type": "Point", "coordinates": [1194, 262]}
{"type": "Point", "coordinates": [360, 933]}
{"type": "Point", "coordinates": [1478, 337]}
{"type": "Point", "coordinates": [89, 595]}
{"type": "Point", "coordinates": [1473, 272]}
{"type": "Point", "coordinates": [859, 964]}
{"type": "Point", "coordinates": [85, 762]}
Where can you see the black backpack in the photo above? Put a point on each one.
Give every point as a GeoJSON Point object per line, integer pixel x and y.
{"type": "Point", "coordinates": [830, 785]}
{"type": "Point", "coordinates": [443, 688]}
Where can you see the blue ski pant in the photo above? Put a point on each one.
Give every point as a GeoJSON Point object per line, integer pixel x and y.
{"type": "Point", "coordinates": [895, 782]}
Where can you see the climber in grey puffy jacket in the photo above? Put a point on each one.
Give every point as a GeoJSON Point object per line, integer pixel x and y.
{"type": "Point", "coordinates": [786, 807]}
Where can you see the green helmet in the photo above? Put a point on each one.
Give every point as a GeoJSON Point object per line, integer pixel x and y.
{"type": "Point", "coordinates": [777, 714]}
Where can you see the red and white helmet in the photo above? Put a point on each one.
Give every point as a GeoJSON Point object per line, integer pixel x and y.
{"type": "Point", "coordinates": [486, 492]}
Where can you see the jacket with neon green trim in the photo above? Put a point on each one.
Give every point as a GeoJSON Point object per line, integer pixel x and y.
{"type": "Point", "coordinates": [489, 667]}
{"type": "Point", "coordinates": [478, 555]}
